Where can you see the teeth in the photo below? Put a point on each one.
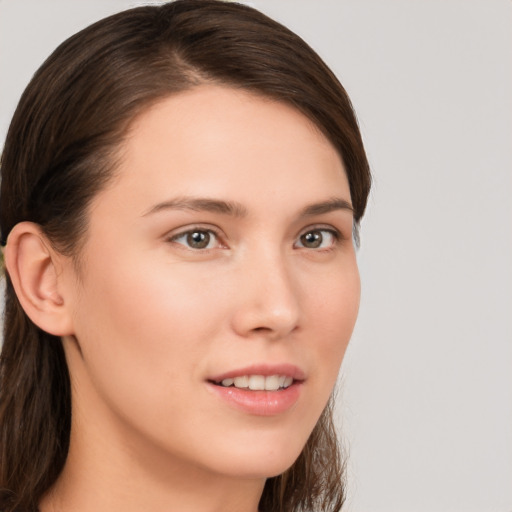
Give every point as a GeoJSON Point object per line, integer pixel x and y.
{"type": "Point", "coordinates": [287, 382]}
{"type": "Point", "coordinates": [241, 382]}
{"type": "Point", "coordinates": [272, 383]}
{"type": "Point", "coordinates": [259, 382]}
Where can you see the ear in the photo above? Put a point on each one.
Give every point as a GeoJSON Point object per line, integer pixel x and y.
{"type": "Point", "coordinates": [34, 268]}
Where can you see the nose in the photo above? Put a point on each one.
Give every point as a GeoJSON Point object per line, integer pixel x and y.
{"type": "Point", "coordinates": [267, 299]}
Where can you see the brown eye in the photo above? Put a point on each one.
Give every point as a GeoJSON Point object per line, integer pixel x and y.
{"type": "Point", "coordinates": [197, 239]}
{"type": "Point", "coordinates": [312, 240]}
{"type": "Point", "coordinates": [318, 239]}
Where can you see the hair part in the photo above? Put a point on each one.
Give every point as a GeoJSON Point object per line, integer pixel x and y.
{"type": "Point", "coordinates": [62, 148]}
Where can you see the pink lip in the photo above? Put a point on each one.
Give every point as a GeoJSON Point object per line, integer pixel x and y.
{"type": "Point", "coordinates": [260, 403]}
{"type": "Point", "coordinates": [289, 370]}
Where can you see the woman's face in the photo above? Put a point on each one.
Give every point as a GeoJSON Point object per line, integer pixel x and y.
{"type": "Point", "coordinates": [222, 250]}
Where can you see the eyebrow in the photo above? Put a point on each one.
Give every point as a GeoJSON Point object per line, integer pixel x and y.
{"type": "Point", "coordinates": [201, 204]}
{"type": "Point", "coordinates": [234, 209]}
{"type": "Point", "coordinates": [332, 204]}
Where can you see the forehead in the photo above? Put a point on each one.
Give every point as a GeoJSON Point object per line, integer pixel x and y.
{"type": "Point", "coordinates": [220, 141]}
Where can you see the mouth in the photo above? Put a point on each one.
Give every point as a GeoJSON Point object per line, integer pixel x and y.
{"type": "Point", "coordinates": [260, 390]}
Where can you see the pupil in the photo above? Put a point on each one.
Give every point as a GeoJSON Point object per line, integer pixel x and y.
{"type": "Point", "coordinates": [198, 239]}
{"type": "Point", "coordinates": [312, 239]}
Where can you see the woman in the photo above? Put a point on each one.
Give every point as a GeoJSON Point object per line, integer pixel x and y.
{"type": "Point", "coordinates": [180, 188]}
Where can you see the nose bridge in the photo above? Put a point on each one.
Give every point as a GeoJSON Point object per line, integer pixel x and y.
{"type": "Point", "coordinates": [269, 294]}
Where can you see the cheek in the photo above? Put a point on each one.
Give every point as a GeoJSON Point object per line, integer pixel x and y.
{"type": "Point", "coordinates": [333, 308]}
{"type": "Point", "coordinates": [147, 323]}
{"type": "Point", "coordinates": [143, 336]}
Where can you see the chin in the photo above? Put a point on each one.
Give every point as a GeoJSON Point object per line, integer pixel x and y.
{"type": "Point", "coordinates": [260, 470]}
{"type": "Point", "coordinates": [262, 461]}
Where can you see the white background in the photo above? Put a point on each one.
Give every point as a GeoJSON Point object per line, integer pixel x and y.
{"type": "Point", "coordinates": [426, 392]}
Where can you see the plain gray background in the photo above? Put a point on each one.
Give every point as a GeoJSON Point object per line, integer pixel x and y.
{"type": "Point", "coordinates": [425, 402]}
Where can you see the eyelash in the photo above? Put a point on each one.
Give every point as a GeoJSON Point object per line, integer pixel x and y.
{"type": "Point", "coordinates": [336, 235]}
{"type": "Point", "coordinates": [188, 232]}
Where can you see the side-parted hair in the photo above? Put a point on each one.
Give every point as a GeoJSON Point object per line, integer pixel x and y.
{"type": "Point", "coordinates": [60, 152]}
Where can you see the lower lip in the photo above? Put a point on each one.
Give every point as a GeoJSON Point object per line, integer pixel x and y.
{"type": "Point", "coordinates": [259, 403]}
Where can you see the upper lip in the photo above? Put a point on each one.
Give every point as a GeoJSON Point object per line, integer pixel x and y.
{"type": "Point", "coordinates": [288, 370]}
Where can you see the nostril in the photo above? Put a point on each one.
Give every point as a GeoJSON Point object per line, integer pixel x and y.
{"type": "Point", "coordinates": [266, 314]}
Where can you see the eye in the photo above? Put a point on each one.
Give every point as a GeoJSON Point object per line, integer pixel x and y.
{"type": "Point", "coordinates": [197, 239]}
{"type": "Point", "coordinates": [318, 239]}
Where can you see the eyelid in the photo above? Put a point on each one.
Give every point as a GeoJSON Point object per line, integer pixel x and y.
{"type": "Point", "coordinates": [322, 227]}
{"type": "Point", "coordinates": [172, 237]}
{"type": "Point", "coordinates": [335, 232]}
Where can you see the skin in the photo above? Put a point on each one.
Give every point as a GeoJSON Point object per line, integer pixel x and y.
{"type": "Point", "coordinates": [152, 319]}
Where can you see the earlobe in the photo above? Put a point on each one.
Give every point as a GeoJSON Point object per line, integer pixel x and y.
{"type": "Point", "coordinates": [32, 265]}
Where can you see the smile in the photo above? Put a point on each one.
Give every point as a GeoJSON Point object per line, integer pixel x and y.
{"type": "Point", "coordinates": [258, 382]}
{"type": "Point", "coordinates": [261, 389]}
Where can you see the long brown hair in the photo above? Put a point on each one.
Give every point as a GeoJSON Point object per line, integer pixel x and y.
{"type": "Point", "coordinates": [60, 151]}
